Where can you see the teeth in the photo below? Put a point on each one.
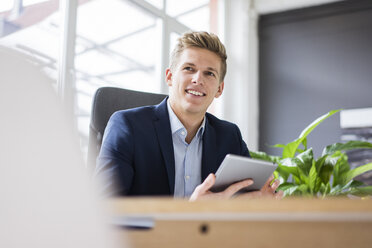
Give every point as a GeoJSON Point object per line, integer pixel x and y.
{"type": "Point", "coordinates": [196, 93]}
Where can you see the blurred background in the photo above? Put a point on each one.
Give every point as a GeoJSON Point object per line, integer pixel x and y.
{"type": "Point", "coordinates": [289, 61]}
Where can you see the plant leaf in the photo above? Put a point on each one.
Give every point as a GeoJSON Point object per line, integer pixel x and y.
{"type": "Point", "coordinates": [354, 144]}
{"type": "Point", "coordinates": [305, 161]}
{"type": "Point", "coordinates": [319, 163]}
{"type": "Point", "coordinates": [290, 166]}
{"type": "Point", "coordinates": [313, 176]}
{"type": "Point", "coordinates": [304, 179]}
{"type": "Point", "coordinates": [302, 189]}
{"type": "Point", "coordinates": [278, 146]}
{"type": "Point", "coordinates": [360, 191]}
{"type": "Point", "coordinates": [282, 173]}
{"type": "Point", "coordinates": [356, 183]}
{"type": "Point", "coordinates": [328, 188]}
{"type": "Point", "coordinates": [264, 156]}
{"type": "Point", "coordinates": [337, 190]}
{"type": "Point", "coordinates": [325, 173]}
{"type": "Point", "coordinates": [318, 182]}
{"type": "Point", "coordinates": [325, 189]}
{"type": "Point", "coordinates": [315, 123]}
{"type": "Point", "coordinates": [287, 188]}
{"type": "Point", "coordinates": [290, 149]}
{"type": "Point", "coordinates": [357, 171]}
{"type": "Point", "coordinates": [277, 176]}
{"type": "Point", "coordinates": [340, 169]}
{"type": "Point", "coordinates": [304, 143]}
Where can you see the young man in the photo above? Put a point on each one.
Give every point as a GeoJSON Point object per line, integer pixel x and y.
{"type": "Point", "coordinates": [175, 147]}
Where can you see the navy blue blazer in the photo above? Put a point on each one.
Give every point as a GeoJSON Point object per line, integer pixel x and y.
{"type": "Point", "coordinates": [137, 156]}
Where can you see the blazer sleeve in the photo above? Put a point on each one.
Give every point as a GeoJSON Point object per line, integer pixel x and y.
{"type": "Point", "coordinates": [115, 161]}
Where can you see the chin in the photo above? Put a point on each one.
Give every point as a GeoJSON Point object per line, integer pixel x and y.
{"type": "Point", "coordinates": [193, 107]}
{"type": "Point", "coordinates": [195, 110]}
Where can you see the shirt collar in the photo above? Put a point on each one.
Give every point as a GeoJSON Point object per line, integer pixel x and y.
{"type": "Point", "coordinates": [176, 124]}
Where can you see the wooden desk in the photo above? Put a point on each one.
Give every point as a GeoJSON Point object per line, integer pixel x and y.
{"type": "Point", "coordinates": [249, 223]}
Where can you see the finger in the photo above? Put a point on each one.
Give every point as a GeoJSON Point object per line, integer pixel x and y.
{"type": "Point", "coordinates": [279, 195]}
{"type": "Point", "coordinates": [233, 188]}
{"type": "Point", "coordinates": [206, 185]}
{"type": "Point", "coordinates": [268, 182]}
{"type": "Point", "coordinates": [267, 186]}
{"type": "Point", "coordinates": [275, 185]}
{"type": "Point", "coordinates": [270, 189]}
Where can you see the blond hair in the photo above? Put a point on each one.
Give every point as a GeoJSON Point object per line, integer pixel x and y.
{"type": "Point", "coordinates": [203, 40]}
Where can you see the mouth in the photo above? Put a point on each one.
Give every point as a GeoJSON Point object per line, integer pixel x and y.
{"type": "Point", "coordinates": [195, 92]}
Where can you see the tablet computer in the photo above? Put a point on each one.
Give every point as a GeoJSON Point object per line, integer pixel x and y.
{"type": "Point", "coordinates": [236, 168]}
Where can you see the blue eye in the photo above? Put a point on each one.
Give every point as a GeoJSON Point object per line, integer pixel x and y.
{"type": "Point", "coordinates": [188, 68]}
{"type": "Point", "coordinates": [209, 73]}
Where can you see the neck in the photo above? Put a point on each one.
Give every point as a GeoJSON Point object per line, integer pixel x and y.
{"type": "Point", "coordinates": [190, 121]}
{"type": "Point", "coordinates": [191, 126]}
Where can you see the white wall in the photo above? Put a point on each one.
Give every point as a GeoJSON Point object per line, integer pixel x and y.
{"type": "Point", "coordinates": [240, 97]}
{"type": "Point", "coordinates": [239, 32]}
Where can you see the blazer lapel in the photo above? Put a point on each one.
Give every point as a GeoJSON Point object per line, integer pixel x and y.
{"type": "Point", "coordinates": [164, 133]}
{"type": "Point", "coordinates": [209, 151]}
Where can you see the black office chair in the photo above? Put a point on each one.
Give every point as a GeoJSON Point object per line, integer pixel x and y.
{"type": "Point", "coordinates": [106, 101]}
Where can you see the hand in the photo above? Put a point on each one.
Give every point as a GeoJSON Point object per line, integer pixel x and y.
{"type": "Point", "coordinates": [267, 191]}
{"type": "Point", "coordinates": [203, 192]}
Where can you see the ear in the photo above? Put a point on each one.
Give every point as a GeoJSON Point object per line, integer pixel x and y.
{"type": "Point", "coordinates": [168, 76]}
{"type": "Point", "coordinates": [220, 90]}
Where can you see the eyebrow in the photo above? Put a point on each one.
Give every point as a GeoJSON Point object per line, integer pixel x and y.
{"type": "Point", "coordinates": [208, 68]}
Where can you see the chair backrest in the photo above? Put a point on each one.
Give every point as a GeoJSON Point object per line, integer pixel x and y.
{"type": "Point", "coordinates": [106, 101]}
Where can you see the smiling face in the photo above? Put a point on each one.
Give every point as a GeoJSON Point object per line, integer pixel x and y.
{"type": "Point", "coordinates": [194, 82]}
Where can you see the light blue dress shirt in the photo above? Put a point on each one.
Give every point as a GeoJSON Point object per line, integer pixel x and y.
{"type": "Point", "coordinates": [187, 157]}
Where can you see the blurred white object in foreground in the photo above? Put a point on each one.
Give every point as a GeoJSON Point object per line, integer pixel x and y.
{"type": "Point", "coordinates": [47, 199]}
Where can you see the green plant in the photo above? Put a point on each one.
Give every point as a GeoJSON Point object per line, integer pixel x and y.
{"type": "Point", "coordinates": [301, 174]}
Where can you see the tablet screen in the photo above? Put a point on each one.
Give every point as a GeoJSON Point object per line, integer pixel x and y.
{"type": "Point", "coordinates": [236, 168]}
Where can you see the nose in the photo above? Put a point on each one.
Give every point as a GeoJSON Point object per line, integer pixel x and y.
{"type": "Point", "coordinates": [197, 78]}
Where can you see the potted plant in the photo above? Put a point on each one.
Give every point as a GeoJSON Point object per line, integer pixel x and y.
{"type": "Point", "coordinates": [301, 174]}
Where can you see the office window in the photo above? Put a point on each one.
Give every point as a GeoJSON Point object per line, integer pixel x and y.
{"type": "Point", "coordinates": [32, 27]}
{"type": "Point", "coordinates": [157, 3]}
{"type": "Point", "coordinates": [121, 43]}
{"type": "Point", "coordinates": [192, 13]}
